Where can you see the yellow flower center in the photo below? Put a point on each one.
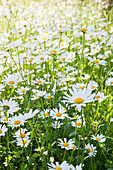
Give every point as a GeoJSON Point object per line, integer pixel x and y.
{"type": "Point", "coordinates": [29, 61]}
{"type": "Point", "coordinates": [112, 82]}
{"type": "Point", "coordinates": [60, 30]}
{"type": "Point", "coordinates": [75, 117]}
{"type": "Point", "coordinates": [22, 135]}
{"type": "Point", "coordinates": [65, 144]}
{"type": "Point", "coordinates": [92, 87]}
{"type": "Point", "coordinates": [46, 114]}
{"type": "Point", "coordinates": [24, 90]}
{"type": "Point", "coordinates": [10, 33]}
{"type": "Point", "coordinates": [74, 74]}
{"type": "Point", "coordinates": [98, 139]}
{"type": "Point", "coordinates": [42, 58]}
{"type": "Point", "coordinates": [53, 51]}
{"type": "Point", "coordinates": [35, 38]}
{"type": "Point", "coordinates": [63, 59]}
{"type": "Point", "coordinates": [11, 82]}
{"type": "Point", "coordinates": [81, 87]}
{"type": "Point", "coordinates": [0, 116]}
{"type": "Point", "coordinates": [96, 61]}
{"type": "Point", "coordinates": [0, 131]}
{"type": "Point", "coordinates": [74, 147]}
{"type": "Point", "coordinates": [56, 125]}
{"type": "Point", "coordinates": [91, 36]}
{"type": "Point", "coordinates": [58, 168]}
{"type": "Point", "coordinates": [49, 97]}
{"type": "Point", "coordinates": [89, 149]}
{"type": "Point", "coordinates": [39, 81]}
{"type": "Point", "coordinates": [24, 142]}
{"type": "Point", "coordinates": [78, 100]}
{"type": "Point", "coordinates": [58, 114]}
{"type": "Point", "coordinates": [97, 97]}
{"type": "Point", "coordinates": [5, 119]}
{"type": "Point", "coordinates": [20, 32]}
{"type": "Point", "coordinates": [25, 71]}
{"type": "Point", "coordinates": [25, 25]}
{"type": "Point", "coordinates": [44, 39]}
{"type": "Point", "coordinates": [78, 124]}
{"type": "Point", "coordinates": [10, 64]}
{"type": "Point", "coordinates": [17, 122]}
{"type": "Point", "coordinates": [83, 29]}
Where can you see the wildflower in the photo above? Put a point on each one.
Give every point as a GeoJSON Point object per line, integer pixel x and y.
{"type": "Point", "coordinates": [56, 124]}
{"type": "Point", "coordinates": [64, 166]}
{"type": "Point", "coordinates": [67, 145]}
{"type": "Point", "coordinates": [16, 121]}
{"type": "Point", "coordinates": [79, 97]}
{"type": "Point", "coordinates": [58, 113]}
{"type": "Point", "coordinates": [97, 61]}
{"type": "Point", "coordinates": [92, 85]}
{"type": "Point", "coordinates": [3, 129]}
{"type": "Point", "coordinates": [99, 138]}
{"type": "Point", "coordinates": [109, 82]}
{"type": "Point", "coordinates": [23, 141]}
{"type": "Point", "coordinates": [91, 150]}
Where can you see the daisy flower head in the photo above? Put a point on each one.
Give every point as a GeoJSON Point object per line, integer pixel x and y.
{"type": "Point", "coordinates": [56, 124]}
{"type": "Point", "coordinates": [63, 166]}
{"type": "Point", "coordinates": [78, 122]}
{"type": "Point", "coordinates": [97, 61]}
{"type": "Point", "coordinates": [44, 113]}
{"type": "Point", "coordinates": [109, 82]}
{"type": "Point", "coordinates": [54, 51]}
{"type": "Point", "coordinates": [66, 144]}
{"type": "Point", "coordinates": [16, 121]}
{"type": "Point", "coordinates": [92, 85]}
{"type": "Point", "coordinates": [11, 80]}
{"type": "Point", "coordinates": [22, 90]}
{"type": "Point", "coordinates": [3, 129]}
{"type": "Point", "coordinates": [21, 133]}
{"type": "Point", "coordinates": [79, 97]}
{"type": "Point", "coordinates": [91, 149]}
{"type": "Point", "coordinates": [23, 141]}
{"type": "Point", "coordinates": [9, 105]}
{"type": "Point", "coordinates": [100, 96]}
{"type": "Point", "coordinates": [58, 113]}
{"type": "Point", "coordinates": [100, 138]}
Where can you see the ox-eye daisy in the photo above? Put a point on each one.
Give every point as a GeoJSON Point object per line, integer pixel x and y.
{"type": "Point", "coordinates": [79, 97]}
{"type": "Point", "coordinates": [109, 82]}
{"type": "Point", "coordinates": [3, 129]}
{"type": "Point", "coordinates": [16, 121]}
{"type": "Point", "coordinates": [56, 124]}
{"type": "Point", "coordinates": [91, 150]}
{"type": "Point", "coordinates": [63, 166]}
{"type": "Point", "coordinates": [58, 113]}
{"type": "Point", "coordinates": [100, 138]}
{"type": "Point", "coordinates": [66, 144]}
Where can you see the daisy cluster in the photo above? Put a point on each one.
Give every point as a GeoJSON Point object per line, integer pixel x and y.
{"type": "Point", "coordinates": [56, 85]}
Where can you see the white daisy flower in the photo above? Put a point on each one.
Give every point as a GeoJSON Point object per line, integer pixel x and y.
{"type": "Point", "coordinates": [109, 82]}
{"type": "Point", "coordinates": [79, 97]}
{"type": "Point", "coordinates": [67, 145]}
{"type": "Point", "coordinates": [23, 141]}
{"type": "Point", "coordinates": [97, 61]}
{"type": "Point", "coordinates": [64, 166]}
{"type": "Point", "coordinates": [92, 85]}
{"type": "Point", "coordinates": [16, 121]}
{"type": "Point", "coordinates": [56, 124]}
{"type": "Point", "coordinates": [100, 138]}
{"type": "Point", "coordinates": [91, 149]}
{"type": "Point", "coordinates": [3, 129]}
{"type": "Point", "coordinates": [58, 113]}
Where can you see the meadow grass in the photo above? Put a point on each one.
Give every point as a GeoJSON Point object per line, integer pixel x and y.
{"type": "Point", "coordinates": [56, 85]}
